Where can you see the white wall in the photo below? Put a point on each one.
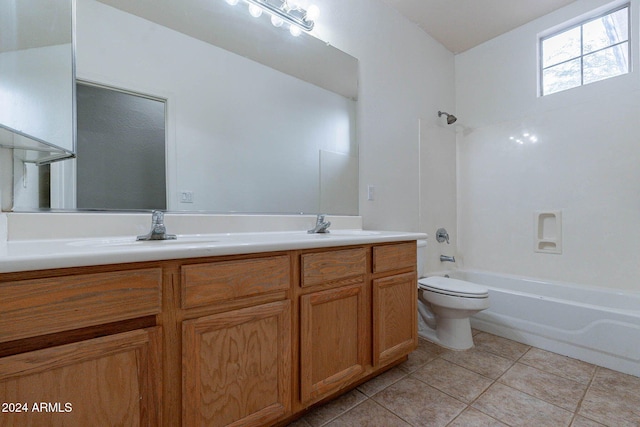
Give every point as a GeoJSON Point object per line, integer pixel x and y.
{"type": "Point", "coordinates": [585, 163]}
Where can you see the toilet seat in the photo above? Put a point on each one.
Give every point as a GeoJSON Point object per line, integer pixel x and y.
{"type": "Point", "coordinates": [453, 287]}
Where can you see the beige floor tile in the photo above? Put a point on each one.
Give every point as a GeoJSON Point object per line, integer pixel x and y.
{"type": "Point", "coordinates": [481, 362]}
{"type": "Point", "coordinates": [382, 381]}
{"type": "Point", "coordinates": [474, 418]}
{"type": "Point", "coordinates": [516, 408]}
{"type": "Point", "coordinates": [580, 421]}
{"type": "Point", "coordinates": [564, 366]}
{"type": "Point", "coordinates": [551, 388]}
{"type": "Point", "coordinates": [431, 388]}
{"type": "Point", "coordinates": [327, 412]}
{"type": "Point", "coordinates": [617, 382]}
{"type": "Point", "coordinates": [419, 404]}
{"type": "Point", "coordinates": [613, 399]}
{"type": "Point", "coordinates": [609, 409]}
{"type": "Point", "coordinates": [429, 347]}
{"type": "Point", "coordinates": [416, 360]}
{"type": "Point", "coordinates": [456, 381]}
{"type": "Point", "coordinates": [368, 414]}
{"type": "Point", "coordinates": [508, 349]}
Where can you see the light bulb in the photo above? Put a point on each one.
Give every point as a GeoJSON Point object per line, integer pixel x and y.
{"type": "Point", "coordinates": [276, 21]}
{"type": "Point", "coordinates": [313, 13]}
{"type": "Point", "coordinates": [255, 11]}
{"type": "Point", "coordinates": [232, 2]}
{"type": "Point", "coordinates": [295, 31]}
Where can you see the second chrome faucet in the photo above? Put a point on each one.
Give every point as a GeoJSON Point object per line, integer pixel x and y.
{"type": "Point", "coordinates": [322, 226]}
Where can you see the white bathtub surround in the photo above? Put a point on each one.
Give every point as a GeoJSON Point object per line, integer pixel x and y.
{"type": "Point", "coordinates": [596, 325]}
{"type": "Point", "coordinates": [438, 187]}
{"type": "Point", "coordinates": [583, 162]}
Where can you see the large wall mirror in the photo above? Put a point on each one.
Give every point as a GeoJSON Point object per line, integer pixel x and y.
{"type": "Point", "coordinates": [261, 135]}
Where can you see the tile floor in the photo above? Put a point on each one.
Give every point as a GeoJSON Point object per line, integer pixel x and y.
{"type": "Point", "coordinates": [497, 383]}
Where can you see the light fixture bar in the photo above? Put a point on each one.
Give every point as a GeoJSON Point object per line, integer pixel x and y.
{"type": "Point", "coordinates": [294, 16]}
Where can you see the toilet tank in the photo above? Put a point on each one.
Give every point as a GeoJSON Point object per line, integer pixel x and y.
{"type": "Point", "coordinates": [422, 257]}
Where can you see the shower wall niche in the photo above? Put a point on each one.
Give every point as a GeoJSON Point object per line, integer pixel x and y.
{"type": "Point", "coordinates": [548, 232]}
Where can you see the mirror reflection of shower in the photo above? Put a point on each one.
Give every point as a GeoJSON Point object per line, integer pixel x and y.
{"type": "Point", "coordinates": [451, 119]}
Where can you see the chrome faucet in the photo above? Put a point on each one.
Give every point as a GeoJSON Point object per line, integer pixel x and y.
{"type": "Point", "coordinates": [158, 230]}
{"type": "Point", "coordinates": [445, 258]}
{"type": "Point", "coordinates": [322, 226]}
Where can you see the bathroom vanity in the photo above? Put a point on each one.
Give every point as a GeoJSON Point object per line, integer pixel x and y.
{"type": "Point", "coordinates": [203, 333]}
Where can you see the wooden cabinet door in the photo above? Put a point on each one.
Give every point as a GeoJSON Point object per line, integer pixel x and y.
{"type": "Point", "coordinates": [237, 367]}
{"type": "Point", "coordinates": [107, 381]}
{"type": "Point", "coordinates": [333, 340]}
{"type": "Point", "coordinates": [395, 325]}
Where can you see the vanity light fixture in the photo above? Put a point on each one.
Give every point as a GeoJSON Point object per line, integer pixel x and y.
{"type": "Point", "coordinates": [282, 11]}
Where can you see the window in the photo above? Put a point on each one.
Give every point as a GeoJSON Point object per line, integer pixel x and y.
{"type": "Point", "coordinates": [591, 51]}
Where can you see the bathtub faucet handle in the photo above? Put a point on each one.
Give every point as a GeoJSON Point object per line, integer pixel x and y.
{"type": "Point", "coordinates": [442, 235]}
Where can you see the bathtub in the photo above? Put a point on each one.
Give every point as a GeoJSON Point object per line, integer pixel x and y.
{"type": "Point", "coordinates": [596, 325]}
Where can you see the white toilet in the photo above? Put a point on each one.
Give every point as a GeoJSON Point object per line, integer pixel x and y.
{"type": "Point", "coordinates": [445, 306]}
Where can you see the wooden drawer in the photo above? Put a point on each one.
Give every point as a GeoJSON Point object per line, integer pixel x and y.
{"type": "Point", "coordinates": [112, 380]}
{"type": "Point", "coordinates": [324, 267]}
{"type": "Point", "coordinates": [43, 306]}
{"type": "Point", "coordinates": [213, 282]}
{"type": "Point", "coordinates": [394, 257]}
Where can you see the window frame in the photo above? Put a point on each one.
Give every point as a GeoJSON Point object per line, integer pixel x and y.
{"type": "Point", "coordinates": [581, 24]}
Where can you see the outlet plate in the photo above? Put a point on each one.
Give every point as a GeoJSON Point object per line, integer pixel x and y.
{"type": "Point", "coordinates": [186, 197]}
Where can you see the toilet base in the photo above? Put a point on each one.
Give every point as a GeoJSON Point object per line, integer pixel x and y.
{"type": "Point", "coordinates": [454, 334]}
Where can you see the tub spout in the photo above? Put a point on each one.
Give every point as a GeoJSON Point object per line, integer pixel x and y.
{"type": "Point", "coordinates": [445, 258]}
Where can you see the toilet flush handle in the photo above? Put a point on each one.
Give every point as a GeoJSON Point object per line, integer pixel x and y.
{"type": "Point", "coordinates": [442, 235]}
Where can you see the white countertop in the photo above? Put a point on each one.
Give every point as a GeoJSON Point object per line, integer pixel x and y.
{"type": "Point", "coordinates": [26, 255]}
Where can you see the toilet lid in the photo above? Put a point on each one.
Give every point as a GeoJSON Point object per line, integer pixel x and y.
{"type": "Point", "coordinates": [454, 287]}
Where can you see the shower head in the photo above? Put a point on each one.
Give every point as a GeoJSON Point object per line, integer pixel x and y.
{"type": "Point", "coordinates": [451, 119]}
